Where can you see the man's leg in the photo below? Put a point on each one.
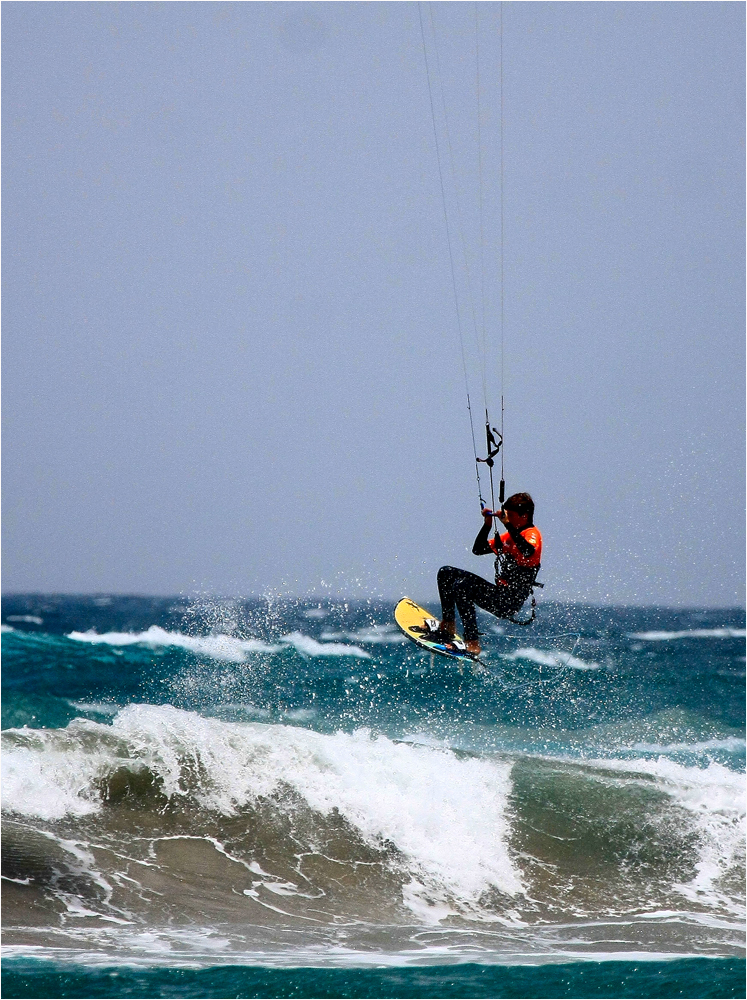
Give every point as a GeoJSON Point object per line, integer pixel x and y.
{"type": "Point", "coordinates": [461, 590]}
{"type": "Point", "coordinates": [446, 579]}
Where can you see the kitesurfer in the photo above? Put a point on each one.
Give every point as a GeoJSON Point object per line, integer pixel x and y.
{"type": "Point", "coordinates": [518, 553]}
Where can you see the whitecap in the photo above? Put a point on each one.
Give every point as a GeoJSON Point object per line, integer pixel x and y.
{"type": "Point", "coordinates": [713, 797]}
{"type": "Point", "coordinates": [307, 646]}
{"type": "Point", "coordinates": [694, 633]}
{"type": "Point", "coordinates": [732, 744]}
{"type": "Point", "coordinates": [96, 707]}
{"type": "Point", "coordinates": [218, 647]}
{"type": "Point", "coordinates": [550, 658]}
{"type": "Point", "coordinates": [301, 714]}
{"type": "Point", "coordinates": [373, 634]}
{"type": "Point", "coordinates": [47, 779]}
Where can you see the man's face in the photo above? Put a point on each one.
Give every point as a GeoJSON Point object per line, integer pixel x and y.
{"type": "Point", "coordinates": [516, 520]}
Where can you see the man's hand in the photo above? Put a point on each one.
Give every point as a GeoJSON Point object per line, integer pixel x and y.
{"type": "Point", "coordinates": [481, 546]}
{"type": "Point", "coordinates": [502, 516]}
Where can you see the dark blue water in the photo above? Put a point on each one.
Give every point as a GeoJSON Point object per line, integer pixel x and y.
{"type": "Point", "coordinates": [243, 798]}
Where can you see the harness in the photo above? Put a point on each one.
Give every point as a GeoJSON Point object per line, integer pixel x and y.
{"type": "Point", "coordinates": [521, 579]}
{"type": "Point", "coordinates": [528, 621]}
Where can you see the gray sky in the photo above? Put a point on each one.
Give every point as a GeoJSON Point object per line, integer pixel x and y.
{"type": "Point", "coordinates": [231, 350]}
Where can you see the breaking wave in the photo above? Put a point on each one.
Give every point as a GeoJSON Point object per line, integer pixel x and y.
{"type": "Point", "coordinates": [220, 647]}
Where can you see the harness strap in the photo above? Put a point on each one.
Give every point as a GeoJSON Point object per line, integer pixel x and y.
{"type": "Point", "coordinates": [527, 621]}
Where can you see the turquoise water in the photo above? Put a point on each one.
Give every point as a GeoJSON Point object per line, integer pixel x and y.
{"type": "Point", "coordinates": [252, 798]}
{"type": "Point", "coordinates": [684, 978]}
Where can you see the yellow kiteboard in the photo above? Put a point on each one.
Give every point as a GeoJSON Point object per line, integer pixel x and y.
{"type": "Point", "coordinates": [417, 623]}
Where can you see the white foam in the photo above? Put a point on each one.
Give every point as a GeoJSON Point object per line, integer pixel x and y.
{"type": "Point", "coordinates": [218, 647]}
{"type": "Point", "coordinates": [375, 634]}
{"type": "Point", "coordinates": [714, 797]}
{"type": "Point", "coordinates": [694, 633]}
{"type": "Point", "coordinates": [446, 816]}
{"type": "Point", "coordinates": [307, 646]}
{"type": "Point", "coordinates": [301, 714]}
{"type": "Point", "coordinates": [550, 658]}
{"type": "Point", "coordinates": [732, 744]}
{"type": "Point", "coordinates": [96, 707]}
{"type": "Point", "coordinates": [50, 778]}
{"type": "Point", "coordinates": [6, 628]}
{"type": "Point", "coordinates": [31, 619]}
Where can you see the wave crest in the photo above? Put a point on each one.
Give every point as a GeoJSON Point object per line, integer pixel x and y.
{"type": "Point", "coordinates": [220, 647]}
{"type": "Point", "coordinates": [445, 816]}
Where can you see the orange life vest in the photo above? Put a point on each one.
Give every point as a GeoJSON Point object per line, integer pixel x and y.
{"type": "Point", "coordinates": [534, 538]}
{"type": "Point", "coordinates": [514, 570]}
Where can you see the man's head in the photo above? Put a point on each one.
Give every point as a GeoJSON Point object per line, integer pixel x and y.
{"type": "Point", "coordinates": [522, 505]}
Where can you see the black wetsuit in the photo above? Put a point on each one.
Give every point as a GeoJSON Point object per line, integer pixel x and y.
{"type": "Point", "coordinates": [461, 590]}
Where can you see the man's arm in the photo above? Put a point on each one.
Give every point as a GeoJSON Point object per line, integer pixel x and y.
{"type": "Point", "coordinates": [481, 546]}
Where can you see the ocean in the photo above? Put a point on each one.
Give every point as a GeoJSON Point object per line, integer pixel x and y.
{"type": "Point", "coordinates": [210, 797]}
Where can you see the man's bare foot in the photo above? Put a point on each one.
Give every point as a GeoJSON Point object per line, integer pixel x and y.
{"type": "Point", "coordinates": [473, 646]}
{"type": "Point", "coordinates": [448, 627]}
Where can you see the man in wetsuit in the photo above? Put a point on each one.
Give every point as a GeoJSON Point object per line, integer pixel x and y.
{"type": "Point", "coordinates": [518, 553]}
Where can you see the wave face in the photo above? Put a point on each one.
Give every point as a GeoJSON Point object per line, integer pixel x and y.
{"type": "Point", "coordinates": [294, 785]}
